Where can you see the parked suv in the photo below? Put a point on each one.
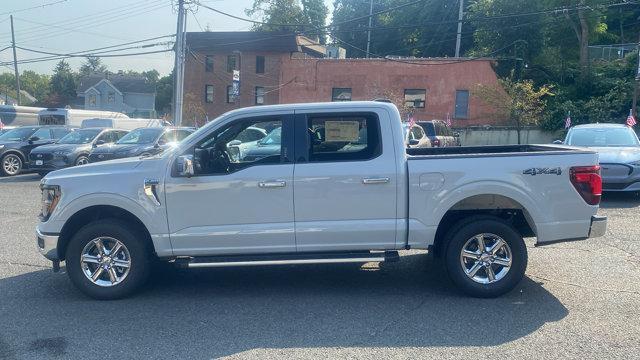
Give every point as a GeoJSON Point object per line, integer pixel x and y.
{"type": "Point", "coordinates": [439, 133]}
{"type": "Point", "coordinates": [73, 149]}
{"type": "Point", "coordinates": [16, 145]}
{"type": "Point", "coordinates": [141, 142]}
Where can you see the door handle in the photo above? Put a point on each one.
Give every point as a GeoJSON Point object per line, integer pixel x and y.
{"type": "Point", "coordinates": [271, 184]}
{"type": "Point", "coordinates": [380, 180]}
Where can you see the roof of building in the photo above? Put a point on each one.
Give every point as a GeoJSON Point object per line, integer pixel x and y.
{"type": "Point", "coordinates": [267, 41]}
{"type": "Point", "coordinates": [124, 83]}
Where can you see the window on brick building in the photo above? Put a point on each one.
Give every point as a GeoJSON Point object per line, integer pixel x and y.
{"type": "Point", "coordinates": [415, 98]}
{"type": "Point", "coordinates": [232, 63]}
{"type": "Point", "coordinates": [462, 104]}
{"type": "Point", "coordinates": [341, 94]}
{"type": "Point", "coordinates": [208, 63]}
{"type": "Point", "coordinates": [259, 95]}
{"type": "Point", "coordinates": [208, 93]}
{"type": "Point", "coordinates": [230, 97]}
{"type": "Point", "coordinates": [259, 64]}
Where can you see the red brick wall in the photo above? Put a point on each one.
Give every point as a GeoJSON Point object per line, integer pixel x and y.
{"type": "Point", "coordinates": [314, 79]}
{"type": "Point", "coordinates": [196, 78]}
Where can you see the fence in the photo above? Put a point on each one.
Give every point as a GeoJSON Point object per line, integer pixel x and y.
{"type": "Point", "coordinates": [502, 135]}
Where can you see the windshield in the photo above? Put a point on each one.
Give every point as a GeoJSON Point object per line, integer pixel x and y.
{"type": "Point", "coordinates": [273, 138]}
{"type": "Point", "coordinates": [80, 137]}
{"type": "Point", "coordinates": [19, 134]}
{"type": "Point", "coordinates": [603, 137]}
{"type": "Point", "coordinates": [141, 136]}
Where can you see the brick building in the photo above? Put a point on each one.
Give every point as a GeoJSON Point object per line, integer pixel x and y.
{"type": "Point", "coordinates": [278, 68]}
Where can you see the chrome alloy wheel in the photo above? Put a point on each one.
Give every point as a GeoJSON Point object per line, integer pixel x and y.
{"type": "Point", "coordinates": [11, 164]}
{"type": "Point", "coordinates": [83, 160]}
{"type": "Point", "coordinates": [105, 261]}
{"type": "Point", "coordinates": [486, 258]}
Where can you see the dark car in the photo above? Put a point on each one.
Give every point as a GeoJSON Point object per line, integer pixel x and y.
{"type": "Point", "coordinates": [439, 133]}
{"type": "Point", "coordinates": [265, 147]}
{"type": "Point", "coordinates": [16, 145]}
{"type": "Point", "coordinates": [73, 149]}
{"type": "Point", "coordinates": [141, 142]}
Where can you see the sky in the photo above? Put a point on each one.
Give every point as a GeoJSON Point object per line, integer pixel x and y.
{"type": "Point", "coordinates": [65, 26]}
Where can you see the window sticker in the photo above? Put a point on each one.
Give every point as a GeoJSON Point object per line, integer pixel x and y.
{"type": "Point", "coordinates": [341, 131]}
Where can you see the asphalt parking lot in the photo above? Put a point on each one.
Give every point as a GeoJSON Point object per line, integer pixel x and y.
{"type": "Point", "coordinates": [578, 300]}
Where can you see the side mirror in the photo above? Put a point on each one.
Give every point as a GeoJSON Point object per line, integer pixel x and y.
{"type": "Point", "coordinates": [33, 139]}
{"type": "Point", "coordinates": [413, 142]}
{"type": "Point", "coordinates": [558, 142]}
{"type": "Point", "coordinates": [99, 142]}
{"type": "Point", "coordinates": [184, 165]}
{"type": "Point", "coordinates": [234, 143]}
{"type": "Point", "coordinates": [161, 142]}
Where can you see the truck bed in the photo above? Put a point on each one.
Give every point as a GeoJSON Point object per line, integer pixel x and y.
{"type": "Point", "coordinates": [492, 150]}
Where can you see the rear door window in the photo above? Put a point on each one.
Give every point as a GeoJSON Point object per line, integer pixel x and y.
{"type": "Point", "coordinates": [335, 137]}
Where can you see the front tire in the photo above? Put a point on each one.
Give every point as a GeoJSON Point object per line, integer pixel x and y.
{"type": "Point", "coordinates": [11, 165]}
{"type": "Point", "coordinates": [108, 259]}
{"type": "Point", "coordinates": [485, 256]}
{"type": "Point", "coordinates": [82, 160]}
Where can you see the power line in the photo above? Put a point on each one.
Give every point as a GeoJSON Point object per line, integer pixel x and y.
{"type": "Point", "coordinates": [33, 7]}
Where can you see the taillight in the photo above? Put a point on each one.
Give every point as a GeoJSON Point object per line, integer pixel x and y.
{"type": "Point", "coordinates": [587, 180]}
{"type": "Point", "coordinates": [436, 143]}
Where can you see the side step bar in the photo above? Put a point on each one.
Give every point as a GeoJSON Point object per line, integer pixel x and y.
{"type": "Point", "coordinates": [286, 259]}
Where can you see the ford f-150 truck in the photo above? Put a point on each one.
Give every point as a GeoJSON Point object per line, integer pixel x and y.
{"type": "Point", "coordinates": [343, 187]}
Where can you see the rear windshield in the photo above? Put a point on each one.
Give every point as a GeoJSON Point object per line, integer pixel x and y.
{"type": "Point", "coordinates": [19, 134]}
{"type": "Point", "coordinates": [428, 128]}
{"type": "Point", "coordinates": [602, 137]}
{"type": "Point", "coordinates": [141, 136]}
{"type": "Point", "coordinates": [80, 136]}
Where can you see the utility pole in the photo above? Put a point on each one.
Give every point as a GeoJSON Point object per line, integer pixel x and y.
{"type": "Point", "coordinates": [178, 88]}
{"type": "Point", "coordinates": [369, 31]}
{"type": "Point", "coordinates": [459, 34]}
{"type": "Point", "coordinates": [636, 88]}
{"type": "Point", "coordinates": [15, 61]}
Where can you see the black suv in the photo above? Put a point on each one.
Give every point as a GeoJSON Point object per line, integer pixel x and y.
{"type": "Point", "coordinates": [16, 145]}
{"type": "Point", "coordinates": [141, 142]}
{"type": "Point", "coordinates": [72, 149]}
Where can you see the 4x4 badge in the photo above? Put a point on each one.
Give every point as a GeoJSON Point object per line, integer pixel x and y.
{"type": "Point", "coordinates": [547, 171]}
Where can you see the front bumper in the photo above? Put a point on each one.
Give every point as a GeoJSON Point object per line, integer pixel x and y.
{"type": "Point", "coordinates": [598, 226]}
{"type": "Point", "coordinates": [48, 245]}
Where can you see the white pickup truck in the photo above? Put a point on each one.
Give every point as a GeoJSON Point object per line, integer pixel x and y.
{"type": "Point", "coordinates": [326, 183]}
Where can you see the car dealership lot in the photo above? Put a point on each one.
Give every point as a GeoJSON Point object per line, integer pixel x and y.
{"type": "Point", "coordinates": [578, 300]}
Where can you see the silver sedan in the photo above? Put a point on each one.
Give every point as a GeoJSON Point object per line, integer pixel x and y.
{"type": "Point", "coordinates": [618, 148]}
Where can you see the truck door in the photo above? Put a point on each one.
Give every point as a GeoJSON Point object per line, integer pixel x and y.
{"type": "Point", "coordinates": [345, 183]}
{"type": "Point", "coordinates": [237, 202]}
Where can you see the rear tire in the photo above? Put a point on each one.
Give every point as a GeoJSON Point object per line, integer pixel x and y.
{"type": "Point", "coordinates": [485, 256]}
{"type": "Point", "coordinates": [103, 274]}
{"type": "Point", "coordinates": [10, 165]}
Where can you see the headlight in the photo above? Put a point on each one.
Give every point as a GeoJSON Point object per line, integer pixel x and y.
{"type": "Point", "coordinates": [60, 153]}
{"type": "Point", "coordinates": [1, 146]}
{"type": "Point", "coordinates": [50, 198]}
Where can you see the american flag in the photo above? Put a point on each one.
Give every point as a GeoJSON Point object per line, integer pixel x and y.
{"type": "Point", "coordinates": [631, 121]}
{"type": "Point", "coordinates": [448, 122]}
{"type": "Point", "coordinates": [412, 121]}
{"type": "Point", "coordinates": [567, 122]}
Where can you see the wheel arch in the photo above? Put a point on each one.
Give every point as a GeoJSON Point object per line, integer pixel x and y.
{"type": "Point", "coordinates": [20, 154]}
{"type": "Point", "coordinates": [96, 212]}
{"type": "Point", "coordinates": [508, 208]}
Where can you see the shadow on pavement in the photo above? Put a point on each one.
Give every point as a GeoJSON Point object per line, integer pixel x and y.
{"type": "Point", "coordinates": [20, 178]}
{"type": "Point", "coordinates": [217, 312]}
{"type": "Point", "coordinates": [616, 200]}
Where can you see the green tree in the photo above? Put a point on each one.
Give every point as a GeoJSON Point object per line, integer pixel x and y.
{"type": "Point", "coordinates": [35, 84]}
{"type": "Point", "coordinates": [164, 94]}
{"type": "Point", "coordinates": [315, 13]}
{"type": "Point", "coordinates": [91, 65]}
{"type": "Point", "coordinates": [278, 13]}
{"type": "Point", "coordinates": [519, 101]}
{"type": "Point", "coordinates": [62, 85]}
